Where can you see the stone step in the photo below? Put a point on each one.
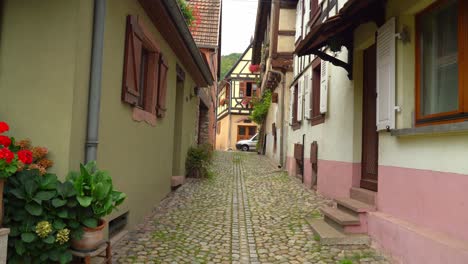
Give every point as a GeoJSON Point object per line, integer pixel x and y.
{"type": "Point", "coordinates": [340, 216]}
{"type": "Point", "coordinates": [363, 195]}
{"type": "Point", "coordinates": [328, 235]}
{"type": "Point", "coordinates": [355, 206]}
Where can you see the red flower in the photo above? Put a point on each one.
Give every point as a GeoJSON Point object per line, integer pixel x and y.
{"type": "Point", "coordinates": [5, 141]}
{"type": "Point", "coordinates": [7, 155]}
{"type": "Point", "coordinates": [25, 156]}
{"type": "Point", "coordinates": [4, 127]}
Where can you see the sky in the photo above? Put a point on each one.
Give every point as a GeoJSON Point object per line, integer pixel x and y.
{"type": "Point", "coordinates": [238, 25]}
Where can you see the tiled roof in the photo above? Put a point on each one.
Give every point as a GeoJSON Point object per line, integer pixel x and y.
{"type": "Point", "coordinates": [206, 32]}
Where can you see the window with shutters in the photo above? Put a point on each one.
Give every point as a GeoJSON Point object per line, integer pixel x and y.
{"type": "Point", "coordinates": [145, 72]}
{"type": "Point", "coordinates": [442, 63]}
{"type": "Point", "coordinates": [295, 104]}
{"type": "Point", "coordinates": [315, 116]}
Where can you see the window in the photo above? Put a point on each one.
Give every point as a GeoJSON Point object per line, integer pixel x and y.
{"type": "Point", "coordinates": [441, 59]}
{"type": "Point", "coordinates": [145, 73]}
{"type": "Point", "coordinates": [249, 89]}
{"type": "Point", "coordinates": [295, 105]}
{"type": "Point", "coordinates": [315, 116]}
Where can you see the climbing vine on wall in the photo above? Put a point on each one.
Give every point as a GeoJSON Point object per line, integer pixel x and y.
{"type": "Point", "coordinates": [260, 107]}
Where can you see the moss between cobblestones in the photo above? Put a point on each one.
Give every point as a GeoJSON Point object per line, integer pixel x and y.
{"type": "Point", "coordinates": [194, 224]}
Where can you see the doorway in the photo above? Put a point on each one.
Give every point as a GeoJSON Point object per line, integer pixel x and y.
{"type": "Point", "coordinates": [370, 137]}
{"type": "Point", "coordinates": [179, 109]}
{"type": "Point", "coordinates": [246, 132]}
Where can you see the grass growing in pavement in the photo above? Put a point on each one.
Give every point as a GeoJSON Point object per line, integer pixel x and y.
{"type": "Point", "coordinates": [346, 261]}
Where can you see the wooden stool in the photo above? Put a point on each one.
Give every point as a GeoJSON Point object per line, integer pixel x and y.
{"type": "Point", "coordinates": [105, 247]}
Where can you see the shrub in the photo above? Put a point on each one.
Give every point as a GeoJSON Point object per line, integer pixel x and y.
{"type": "Point", "coordinates": [198, 160]}
{"type": "Point", "coordinates": [41, 214]}
{"type": "Point", "coordinates": [260, 107]}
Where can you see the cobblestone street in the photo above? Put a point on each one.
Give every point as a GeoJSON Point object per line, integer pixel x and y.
{"type": "Point", "coordinates": [249, 212]}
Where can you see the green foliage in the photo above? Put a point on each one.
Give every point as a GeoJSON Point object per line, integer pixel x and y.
{"type": "Point", "coordinates": [199, 160]}
{"type": "Point", "coordinates": [95, 193]}
{"type": "Point", "coordinates": [41, 214]}
{"type": "Point", "coordinates": [187, 11]}
{"type": "Point", "coordinates": [227, 62]}
{"type": "Point", "coordinates": [346, 261]}
{"type": "Point", "coordinates": [260, 107]}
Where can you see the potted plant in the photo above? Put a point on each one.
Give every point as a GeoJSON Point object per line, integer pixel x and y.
{"type": "Point", "coordinates": [97, 198]}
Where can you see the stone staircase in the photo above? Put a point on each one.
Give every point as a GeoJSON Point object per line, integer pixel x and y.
{"type": "Point", "coordinates": [346, 223]}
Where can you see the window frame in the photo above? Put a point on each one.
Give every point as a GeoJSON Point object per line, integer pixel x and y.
{"type": "Point", "coordinates": [295, 124]}
{"type": "Point", "coordinates": [145, 103]}
{"type": "Point", "coordinates": [461, 114]}
{"type": "Point", "coordinates": [315, 116]}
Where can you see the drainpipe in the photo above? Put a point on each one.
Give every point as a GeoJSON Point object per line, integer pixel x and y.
{"type": "Point", "coordinates": [94, 97]}
{"type": "Point", "coordinates": [283, 89]}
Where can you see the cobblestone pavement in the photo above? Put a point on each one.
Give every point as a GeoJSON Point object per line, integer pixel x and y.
{"type": "Point", "coordinates": [248, 212]}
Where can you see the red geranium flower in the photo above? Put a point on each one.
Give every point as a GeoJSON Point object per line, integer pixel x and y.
{"type": "Point", "coordinates": [4, 127]}
{"type": "Point", "coordinates": [25, 156]}
{"type": "Point", "coordinates": [5, 141]}
{"type": "Point", "coordinates": [7, 155]}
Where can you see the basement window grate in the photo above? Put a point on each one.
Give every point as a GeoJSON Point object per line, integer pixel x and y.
{"type": "Point", "coordinates": [118, 224]}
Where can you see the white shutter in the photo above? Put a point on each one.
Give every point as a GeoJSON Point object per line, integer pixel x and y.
{"type": "Point", "coordinates": [306, 17]}
{"type": "Point", "coordinates": [300, 89]}
{"type": "Point", "coordinates": [323, 87]}
{"type": "Point", "coordinates": [291, 104]}
{"type": "Point", "coordinates": [386, 76]}
{"type": "Point", "coordinates": [307, 85]}
{"type": "Point", "coordinates": [298, 20]}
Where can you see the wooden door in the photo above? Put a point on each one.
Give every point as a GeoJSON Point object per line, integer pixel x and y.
{"type": "Point", "coordinates": [245, 132]}
{"type": "Point", "coordinates": [370, 137]}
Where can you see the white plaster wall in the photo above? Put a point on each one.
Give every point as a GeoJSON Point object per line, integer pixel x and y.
{"type": "Point", "coordinates": [335, 135]}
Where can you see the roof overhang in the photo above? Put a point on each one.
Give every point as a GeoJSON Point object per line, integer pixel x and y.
{"type": "Point", "coordinates": [338, 30]}
{"type": "Point", "coordinates": [168, 19]}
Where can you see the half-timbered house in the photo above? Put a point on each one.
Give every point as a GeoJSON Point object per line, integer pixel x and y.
{"type": "Point", "coordinates": [237, 90]}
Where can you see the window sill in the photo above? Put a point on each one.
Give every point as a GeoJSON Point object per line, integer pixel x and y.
{"type": "Point", "coordinates": [432, 130]}
{"type": "Point", "coordinates": [296, 125]}
{"type": "Point", "coordinates": [140, 115]}
{"type": "Point", "coordinates": [317, 120]}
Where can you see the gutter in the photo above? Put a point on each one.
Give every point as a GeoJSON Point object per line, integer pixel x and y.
{"type": "Point", "coordinates": [94, 97]}
{"type": "Point", "coordinates": [174, 12]}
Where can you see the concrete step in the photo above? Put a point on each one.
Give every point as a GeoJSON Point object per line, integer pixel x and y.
{"type": "Point", "coordinates": [340, 216]}
{"type": "Point", "coordinates": [328, 235]}
{"type": "Point", "coordinates": [363, 195]}
{"type": "Point", "coordinates": [355, 206]}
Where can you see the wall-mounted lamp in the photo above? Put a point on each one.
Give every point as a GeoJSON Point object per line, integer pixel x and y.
{"type": "Point", "coordinates": [196, 90]}
{"type": "Point", "coordinates": [403, 35]}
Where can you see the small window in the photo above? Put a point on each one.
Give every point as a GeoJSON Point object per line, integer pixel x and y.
{"type": "Point", "coordinates": [441, 55]}
{"type": "Point", "coordinates": [145, 71]}
{"type": "Point", "coordinates": [252, 131]}
{"type": "Point", "coordinates": [295, 105]}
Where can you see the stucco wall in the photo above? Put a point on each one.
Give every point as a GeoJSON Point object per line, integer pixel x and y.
{"type": "Point", "coordinates": [228, 137]}
{"type": "Point", "coordinates": [44, 73]}
{"type": "Point", "coordinates": [139, 156]}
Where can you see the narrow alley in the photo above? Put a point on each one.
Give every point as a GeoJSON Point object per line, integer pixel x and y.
{"type": "Point", "coordinates": [247, 212]}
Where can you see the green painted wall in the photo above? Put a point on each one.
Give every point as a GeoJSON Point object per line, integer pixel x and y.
{"type": "Point", "coordinates": [138, 155]}
{"type": "Point", "coordinates": [45, 49]}
{"type": "Point", "coordinates": [44, 68]}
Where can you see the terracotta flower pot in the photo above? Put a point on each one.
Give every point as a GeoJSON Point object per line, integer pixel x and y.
{"type": "Point", "coordinates": [92, 238]}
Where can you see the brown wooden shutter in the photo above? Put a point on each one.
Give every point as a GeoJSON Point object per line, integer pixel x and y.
{"type": "Point", "coordinates": [243, 89]}
{"type": "Point", "coordinates": [152, 82]}
{"type": "Point", "coordinates": [274, 98]}
{"type": "Point", "coordinates": [162, 90]}
{"type": "Point", "coordinates": [132, 61]}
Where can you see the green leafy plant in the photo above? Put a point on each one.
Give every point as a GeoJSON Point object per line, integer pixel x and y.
{"type": "Point", "coordinates": [187, 11]}
{"type": "Point", "coordinates": [41, 213]}
{"type": "Point", "coordinates": [260, 107]}
{"type": "Point", "coordinates": [95, 193]}
{"type": "Point", "coordinates": [198, 160]}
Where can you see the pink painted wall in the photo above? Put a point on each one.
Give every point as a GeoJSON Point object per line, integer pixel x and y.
{"type": "Point", "coordinates": [335, 178]}
{"type": "Point", "coordinates": [436, 200]}
{"type": "Point", "coordinates": [409, 243]}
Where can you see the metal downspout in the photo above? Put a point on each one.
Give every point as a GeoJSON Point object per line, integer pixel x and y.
{"type": "Point", "coordinates": [283, 85]}
{"type": "Point", "coordinates": [94, 97]}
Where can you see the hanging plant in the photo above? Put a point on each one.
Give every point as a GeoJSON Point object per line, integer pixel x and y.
{"type": "Point", "coordinates": [187, 11]}
{"type": "Point", "coordinates": [254, 68]}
